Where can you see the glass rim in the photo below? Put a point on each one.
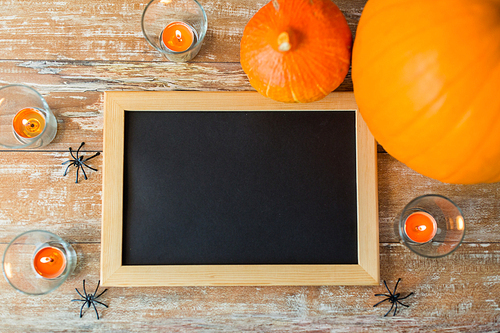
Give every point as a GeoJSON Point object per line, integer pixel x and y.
{"type": "Point", "coordinates": [30, 141]}
{"type": "Point", "coordinates": [59, 282]}
{"type": "Point", "coordinates": [193, 46]}
{"type": "Point", "coordinates": [408, 205]}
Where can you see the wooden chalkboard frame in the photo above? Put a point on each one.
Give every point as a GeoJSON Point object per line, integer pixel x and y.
{"type": "Point", "coordinates": [113, 273]}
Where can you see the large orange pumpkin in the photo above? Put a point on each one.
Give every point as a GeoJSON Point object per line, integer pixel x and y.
{"type": "Point", "coordinates": [426, 78]}
{"type": "Point", "coordinates": [296, 50]}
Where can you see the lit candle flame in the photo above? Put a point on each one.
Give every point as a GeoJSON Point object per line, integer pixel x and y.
{"type": "Point", "coordinates": [420, 227]}
{"type": "Point", "coordinates": [178, 35]}
{"type": "Point", "coordinates": [45, 260]}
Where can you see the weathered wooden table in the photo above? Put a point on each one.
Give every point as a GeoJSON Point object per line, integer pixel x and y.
{"type": "Point", "coordinates": [72, 51]}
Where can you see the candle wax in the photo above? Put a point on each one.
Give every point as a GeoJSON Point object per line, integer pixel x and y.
{"type": "Point", "coordinates": [420, 227]}
{"type": "Point", "coordinates": [49, 262]}
{"type": "Point", "coordinates": [177, 36]}
{"type": "Point", "coordinates": [28, 123]}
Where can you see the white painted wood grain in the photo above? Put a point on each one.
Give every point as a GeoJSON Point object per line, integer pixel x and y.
{"type": "Point", "coordinates": [25, 177]}
{"type": "Point", "coordinates": [93, 30]}
{"type": "Point", "coordinates": [458, 293]}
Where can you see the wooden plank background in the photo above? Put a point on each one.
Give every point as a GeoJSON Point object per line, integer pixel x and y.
{"type": "Point", "coordinates": [72, 51]}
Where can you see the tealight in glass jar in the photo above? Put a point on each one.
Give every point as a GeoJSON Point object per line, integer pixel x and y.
{"type": "Point", "coordinates": [431, 225]}
{"type": "Point", "coordinates": [26, 120]}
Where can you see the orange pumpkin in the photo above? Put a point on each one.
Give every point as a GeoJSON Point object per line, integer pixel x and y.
{"type": "Point", "coordinates": [426, 78]}
{"type": "Point", "coordinates": [296, 50]}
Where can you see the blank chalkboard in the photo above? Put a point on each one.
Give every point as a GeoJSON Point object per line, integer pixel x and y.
{"type": "Point", "coordinates": [272, 187]}
{"type": "Point", "coordinates": [227, 189]}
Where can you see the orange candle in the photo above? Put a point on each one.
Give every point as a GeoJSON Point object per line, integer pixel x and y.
{"type": "Point", "coordinates": [28, 123]}
{"type": "Point", "coordinates": [420, 227]}
{"type": "Point", "coordinates": [177, 36]}
{"type": "Point", "coordinates": [49, 262]}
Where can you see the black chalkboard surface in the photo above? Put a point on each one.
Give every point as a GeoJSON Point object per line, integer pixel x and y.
{"type": "Point", "coordinates": [235, 189]}
{"type": "Point", "coordinates": [263, 187]}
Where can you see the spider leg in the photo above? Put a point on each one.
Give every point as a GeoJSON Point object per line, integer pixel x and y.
{"type": "Point", "coordinates": [66, 171]}
{"type": "Point", "coordinates": [383, 295]}
{"type": "Point", "coordinates": [97, 313]}
{"type": "Point", "coordinates": [78, 300]}
{"type": "Point", "coordinates": [77, 169]}
{"type": "Point", "coordinates": [89, 167]}
{"type": "Point", "coordinates": [381, 302]}
{"type": "Point", "coordinates": [402, 304]}
{"type": "Point", "coordinates": [385, 283]}
{"type": "Point", "coordinates": [91, 157]}
{"type": "Point", "coordinates": [79, 292]}
{"type": "Point", "coordinates": [81, 309]}
{"type": "Point", "coordinates": [101, 294]}
{"type": "Point", "coordinates": [78, 151]}
{"type": "Point", "coordinates": [71, 152]}
{"type": "Point", "coordinates": [396, 287]}
{"type": "Point", "coordinates": [96, 288]}
{"type": "Point", "coordinates": [84, 174]}
{"type": "Point", "coordinates": [67, 162]}
{"type": "Point", "coordinates": [85, 160]}
{"type": "Point", "coordinates": [100, 303]}
{"type": "Point", "coordinates": [407, 296]}
{"type": "Point", "coordinates": [84, 290]}
{"type": "Point", "coordinates": [395, 309]}
{"type": "Point", "coordinates": [389, 310]}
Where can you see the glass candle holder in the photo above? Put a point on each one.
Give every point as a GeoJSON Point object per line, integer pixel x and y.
{"type": "Point", "coordinates": [176, 28]}
{"type": "Point", "coordinates": [37, 262]}
{"type": "Point", "coordinates": [431, 225]}
{"type": "Point", "coordinates": [25, 118]}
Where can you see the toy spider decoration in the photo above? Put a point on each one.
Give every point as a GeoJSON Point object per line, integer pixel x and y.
{"type": "Point", "coordinates": [393, 298]}
{"type": "Point", "coordinates": [79, 162]}
{"type": "Point", "coordinates": [89, 299]}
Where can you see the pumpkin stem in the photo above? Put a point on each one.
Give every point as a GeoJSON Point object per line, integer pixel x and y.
{"type": "Point", "coordinates": [284, 42]}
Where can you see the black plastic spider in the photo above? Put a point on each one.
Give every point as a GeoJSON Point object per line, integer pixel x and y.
{"type": "Point", "coordinates": [89, 299]}
{"type": "Point", "coordinates": [393, 298]}
{"type": "Point", "coordinates": [79, 162]}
